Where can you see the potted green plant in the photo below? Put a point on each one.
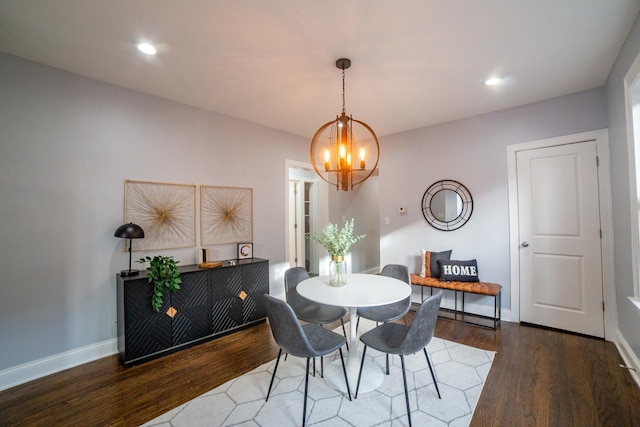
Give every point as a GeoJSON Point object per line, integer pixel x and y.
{"type": "Point", "coordinates": [162, 273]}
{"type": "Point", "coordinates": [337, 242]}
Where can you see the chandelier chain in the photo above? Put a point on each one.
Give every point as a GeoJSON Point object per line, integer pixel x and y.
{"type": "Point", "coordinates": [343, 97]}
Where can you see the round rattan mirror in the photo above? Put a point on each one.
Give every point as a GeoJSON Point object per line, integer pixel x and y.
{"type": "Point", "coordinates": [447, 205]}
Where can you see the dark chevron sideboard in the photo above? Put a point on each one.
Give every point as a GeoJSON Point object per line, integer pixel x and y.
{"type": "Point", "coordinates": [209, 303]}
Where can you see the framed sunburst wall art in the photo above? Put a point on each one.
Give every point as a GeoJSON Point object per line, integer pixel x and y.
{"type": "Point", "coordinates": [226, 215]}
{"type": "Point", "coordinates": [166, 213]}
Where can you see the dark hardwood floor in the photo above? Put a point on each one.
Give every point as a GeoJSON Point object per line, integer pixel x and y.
{"type": "Point", "coordinates": [539, 378]}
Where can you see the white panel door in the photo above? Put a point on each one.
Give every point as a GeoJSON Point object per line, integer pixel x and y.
{"type": "Point", "coordinates": [560, 248]}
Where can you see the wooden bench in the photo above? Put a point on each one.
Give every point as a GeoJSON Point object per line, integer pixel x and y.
{"type": "Point", "coordinates": [479, 288]}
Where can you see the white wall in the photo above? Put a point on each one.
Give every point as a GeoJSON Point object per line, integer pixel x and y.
{"type": "Point", "coordinates": [67, 144]}
{"type": "Point", "coordinates": [628, 320]}
{"type": "Point", "coordinates": [473, 152]}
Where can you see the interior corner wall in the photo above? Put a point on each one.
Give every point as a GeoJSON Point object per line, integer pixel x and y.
{"type": "Point", "coordinates": [473, 152]}
{"type": "Point", "coordinates": [67, 144]}
{"type": "Point", "coordinates": [361, 204]}
{"type": "Point", "coordinates": [628, 320]}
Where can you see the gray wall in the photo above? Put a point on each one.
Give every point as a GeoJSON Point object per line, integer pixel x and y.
{"type": "Point", "coordinates": [628, 320]}
{"type": "Point", "coordinates": [67, 144]}
{"type": "Point", "coordinates": [473, 152]}
{"type": "Point", "coordinates": [361, 204]}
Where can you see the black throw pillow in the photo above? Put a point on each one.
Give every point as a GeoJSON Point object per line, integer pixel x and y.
{"type": "Point", "coordinates": [459, 271]}
{"type": "Point", "coordinates": [430, 266]}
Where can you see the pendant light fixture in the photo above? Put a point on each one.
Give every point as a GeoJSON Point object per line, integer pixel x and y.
{"type": "Point", "coordinates": [344, 151]}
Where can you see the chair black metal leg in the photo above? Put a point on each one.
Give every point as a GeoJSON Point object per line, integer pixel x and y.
{"type": "Point", "coordinates": [432, 373]}
{"type": "Point", "coordinates": [344, 369]}
{"type": "Point", "coordinates": [364, 351]}
{"type": "Point", "coordinates": [274, 374]}
{"type": "Point", "coordinates": [306, 388]}
{"type": "Point", "coordinates": [322, 367]}
{"type": "Point", "coordinates": [406, 391]}
{"type": "Point", "coordinates": [387, 363]}
{"type": "Point", "coordinates": [344, 331]}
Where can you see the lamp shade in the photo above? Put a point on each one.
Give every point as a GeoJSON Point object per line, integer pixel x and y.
{"type": "Point", "coordinates": [129, 231]}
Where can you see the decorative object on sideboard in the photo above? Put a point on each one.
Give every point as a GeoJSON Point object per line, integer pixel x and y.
{"type": "Point", "coordinates": [129, 231]}
{"type": "Point", "coordinates": [166, 212]}
{"type": "Point", "coordinates": [245, 250]}
{"type": "Point", "coordinates": [336, 144]}
{"type": "Point", "coordinates": [337, 242]}
{"type": "Point", "coordinates": [205, 260]}
{"type": "Point", "coordinates": [203, 255]}
{"type": "Point", "coordinates": [210, 264]}
{"type": "Point", "coordinates": [226, 215]}
{"type": "Point", "coordinates": [447, 205]}
{"type": "Point", "coordinates": [163, 273]}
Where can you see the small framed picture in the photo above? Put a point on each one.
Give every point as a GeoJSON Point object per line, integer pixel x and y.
{"type": "Point", "coordinates": [245, 250]}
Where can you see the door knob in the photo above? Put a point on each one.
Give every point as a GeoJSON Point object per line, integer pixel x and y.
{"type": "Point", "coordinates": [525, 244]}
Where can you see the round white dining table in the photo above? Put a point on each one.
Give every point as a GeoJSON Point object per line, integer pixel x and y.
{"type": "Point", "coordinates": [361, 290]}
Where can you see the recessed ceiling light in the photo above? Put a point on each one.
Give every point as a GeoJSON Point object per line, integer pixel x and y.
{"type": "Point", "coordinates": [492, 81]}
{"type": "Point", "coordinates": [147, 48]}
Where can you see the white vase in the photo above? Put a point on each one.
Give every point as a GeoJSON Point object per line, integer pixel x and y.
{"type": "Point", "coordinates": [337, 271]}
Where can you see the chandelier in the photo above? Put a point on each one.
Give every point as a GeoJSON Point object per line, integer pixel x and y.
{"type": "Point", "coordinates": [342, 149]}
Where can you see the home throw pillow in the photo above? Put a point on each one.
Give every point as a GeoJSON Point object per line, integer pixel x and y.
{"type": "Point", "coordinates": [430, 266]}
{"type": "Point", "coordinates": [459, 271]}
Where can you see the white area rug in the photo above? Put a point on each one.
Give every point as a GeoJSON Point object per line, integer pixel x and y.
{"type": "Point", "coordinates": [460, 370]}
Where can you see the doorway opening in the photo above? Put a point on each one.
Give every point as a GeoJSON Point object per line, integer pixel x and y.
{"type": "Point", "coordinates": [306, 208]}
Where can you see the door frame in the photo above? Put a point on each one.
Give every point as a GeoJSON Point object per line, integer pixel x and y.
{"type": "Point", "coordinates": [601, 137]}
{"type": "Point", "coordinates": [321, 209]}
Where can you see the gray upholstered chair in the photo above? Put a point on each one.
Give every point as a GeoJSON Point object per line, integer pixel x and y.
{"type": "Point", "coordinates": [306, 310]}
{"type": "Point", "coordinates": [389, 312]}
{"type": "Point", "coordinates": [396, 310]}
{"type": "Point", "coordinates": [394, 338]}
{"type": "Point", "coordinates": [309, 340]}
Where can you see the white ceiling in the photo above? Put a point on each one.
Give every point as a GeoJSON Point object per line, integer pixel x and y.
{"type": "Point", "coordinates": [415, 62]}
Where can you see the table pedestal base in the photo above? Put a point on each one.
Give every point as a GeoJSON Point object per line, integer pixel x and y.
{"type": "Point", "coordinates": [372, 377]}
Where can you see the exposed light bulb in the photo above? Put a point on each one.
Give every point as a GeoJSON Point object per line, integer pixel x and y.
{"type": "Point", "coordinates": [147, 48]}
{"type": "Point", "coordinates": [492, 81]}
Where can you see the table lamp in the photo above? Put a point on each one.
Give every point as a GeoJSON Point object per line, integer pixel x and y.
{"type": "Point", "coordinates": [129, 231]}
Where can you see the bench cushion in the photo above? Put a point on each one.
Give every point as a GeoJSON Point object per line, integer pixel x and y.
{"type": "Point", "coordinates": [483, 288]}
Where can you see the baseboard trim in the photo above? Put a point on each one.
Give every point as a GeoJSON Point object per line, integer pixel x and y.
{"type": "Point", "coordinates": [30, 371]}
{"type": "Point", "coordinates": [629, 357]}
{"type": "Point", "coordinates": [374, 270]}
